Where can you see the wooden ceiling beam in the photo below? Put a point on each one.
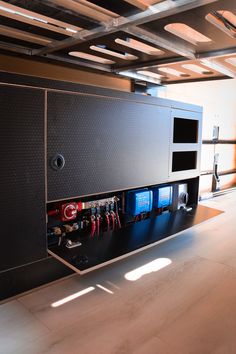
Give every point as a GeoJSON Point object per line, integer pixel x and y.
{"type": "Point", "coordinates": [19, 14]}
{"type": "Point", "coordinates": [137, 3]}
{"type": "Point", "coordinates": [24, 36]}
{"type": "Point", "coordinates": [82, 8]}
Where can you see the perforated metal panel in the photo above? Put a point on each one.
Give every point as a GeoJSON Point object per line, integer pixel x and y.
{"type": "Point", "coordinates": [22, 183]}
{"type": "Point", "coordinates": [108, 144]}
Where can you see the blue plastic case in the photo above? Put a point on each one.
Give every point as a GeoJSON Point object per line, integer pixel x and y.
{"type": "Point", "coordinates": [162, 197]}
{"type": "Point", "coordinates": [139, 201]}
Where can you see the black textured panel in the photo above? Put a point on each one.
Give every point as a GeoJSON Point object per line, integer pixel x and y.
{"type": "Point", "coordinates": [21, 279]}
{"type": "Point", "coordinates": [122, 8]}
{"type": "Point", "coordinates": [17, 41]}
{"type": "Point", "coordinates": [22, 190]}
{"type": "Point", "coordinates": [74, 87]}
{"type": "Point", "coordinates": [108, 144]}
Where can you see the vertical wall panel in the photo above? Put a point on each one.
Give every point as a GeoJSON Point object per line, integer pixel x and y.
{"type": "Point", "coordinates": [22, 183]}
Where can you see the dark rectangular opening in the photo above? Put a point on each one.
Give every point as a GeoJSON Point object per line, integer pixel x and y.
{"type": "Point", "coordinates": [185, 131]}
{"type": "Point", "coordinates": [184, 160]}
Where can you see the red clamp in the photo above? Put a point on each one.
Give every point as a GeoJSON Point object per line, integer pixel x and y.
{"type": "Point", "coordinates": [66, 211]}
{"type": "Point", "coordinates": [93, 225]}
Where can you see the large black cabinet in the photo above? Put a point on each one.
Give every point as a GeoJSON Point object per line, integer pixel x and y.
{"type": "Point", "coordinates": [108, 141]}
{"type": "Point", "coordinates": [22, 176]}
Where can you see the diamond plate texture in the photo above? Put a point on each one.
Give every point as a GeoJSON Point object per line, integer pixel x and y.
{"type": "Point", "coordinates": [108, 144]}
{"type": "Point", "coordinates": [22, 182]}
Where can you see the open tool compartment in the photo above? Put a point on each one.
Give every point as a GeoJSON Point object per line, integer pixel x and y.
{"type": "Point", "coordinates": [104, 229]}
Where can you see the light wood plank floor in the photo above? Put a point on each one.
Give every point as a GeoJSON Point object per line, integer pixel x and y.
{"type": "Point", "coordinates": [186, 307]}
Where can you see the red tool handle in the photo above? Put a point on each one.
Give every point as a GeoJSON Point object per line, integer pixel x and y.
{"type": "Point", "coordinates": [93, 225]}
{"type": "Point", "coordinates": [98, 223]}
{"type": "Point", "coordinates": [108, 220]}
{"type": "Point", "coordinates": [118, 220]}
{"type": "Point", "coordinates": [53, 212]}
{"type": "Point", "coordinates": [113, 220]}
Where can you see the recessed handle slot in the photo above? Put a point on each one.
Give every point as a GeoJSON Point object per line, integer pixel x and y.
{"type": "Point", "coordinates": [58, 162]}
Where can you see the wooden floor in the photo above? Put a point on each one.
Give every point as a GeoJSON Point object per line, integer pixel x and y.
{"type": "Point", "coordinates": [186, 305]}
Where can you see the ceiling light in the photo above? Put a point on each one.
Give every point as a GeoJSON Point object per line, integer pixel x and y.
{"type": "Point", "coordinates": [23, 15]}
{"type": "Point", "coordinates": [231, 61]}
{"type": "Point", "coordinates": [197, 69]}
{"type": "Point", "coordinates": [187, 33]}
{"type": "Point", "coordinates": [7, 10]}
{"type": "Point", "coordinates": [90, 57]}
{"type": "Point", "coordinates": [173, 72]}
{"type": "Point", "coordinates": [30, 17]}
{"type": "Point", "coordinates": [140, 46]}
{"type": "Point", "coordinates": [124, 56]}
{"type": "Point", "coordinates": [71, 30]}
{"type": "Point", "coordinates": [149, 73]}
{"type": "Point", "coordinates": [19, 13]}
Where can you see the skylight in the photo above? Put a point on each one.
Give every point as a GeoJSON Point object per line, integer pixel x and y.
{"type": "Point", "coordinates": [197, 69]}
{"type": "Point", "coordinates": [187, 33]}
{"type": "Point", "coordinates": [91, 57]}
{"type": "Point", "coordinates": [173, 72]}
{"type": "Point", "coordinates": [150, 74]}
{"type": "Point", "coordinates": [113, 53]}
{"type": "Point", "coordinates": [140, 46]}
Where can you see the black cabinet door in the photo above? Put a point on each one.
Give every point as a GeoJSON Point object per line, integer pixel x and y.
{"type": "Point", "coordinates": [22, 176]}
{"type": "Point", "coordinates": [105, 144]}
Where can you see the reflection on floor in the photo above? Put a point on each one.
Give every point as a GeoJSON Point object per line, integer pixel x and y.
{"type": "Point", "coordinates": [177, 297]}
